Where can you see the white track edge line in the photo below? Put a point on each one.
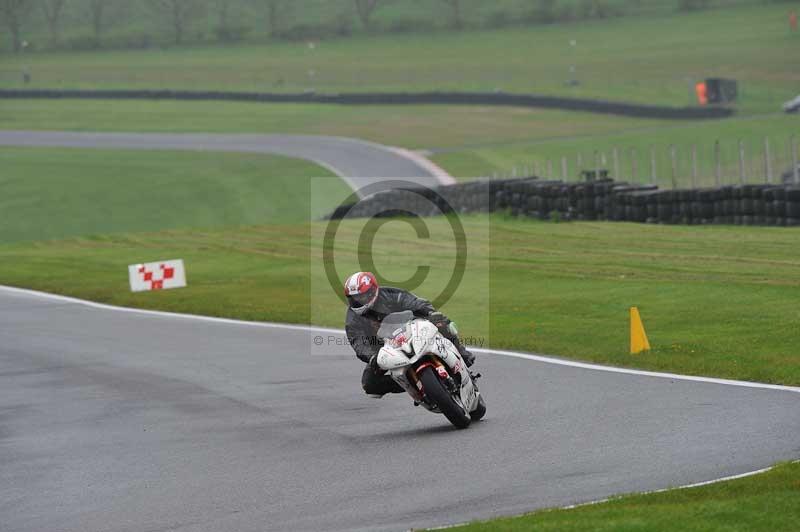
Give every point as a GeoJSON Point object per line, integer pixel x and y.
{"type": "Point", "coordinates": [644, 373]}
{"type": "Point", "coordinates": [663, 490]}
{"type": "Point", "coordinates": [311, 328]}
{"type": "Point", "coordinates": [536, 358]}
{"type": "Point", "coordinates": [608, 499]}
{"type": "Point", "coordinates": [327, 166]}
{"type": "Point", "coordinates": [439, 173]}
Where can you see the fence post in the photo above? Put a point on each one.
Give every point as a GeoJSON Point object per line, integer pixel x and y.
{"type": "Point", "coordinates": [767, 161]}
{"type": "Point", "coordinates": [634, 165]}
{"type": "Point", "coordinates": [653, 175]}
{"type": "Point", "coordinates": [536, 168]}
{"type": "Point", "coordinates": [795, 170]}
{"type": "Point", "coordinates": [694, 165]}
{"type": "Point", "coordinates": [616, 163]}
{"type": "Point", "coordinates": [550, 169]}
{"type": "Point", "coordinates": [717, 163]}
{"type": "Point", "coordinates": [596, 165]}
{"type": "Point", "coordinates": [673, 159]}
{"type": "Point", "coordinates": [564, 168]}
{"type": "Point", "coordinates": [742, 175]}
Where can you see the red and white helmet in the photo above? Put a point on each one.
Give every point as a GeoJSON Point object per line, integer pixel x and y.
{"type": "Point", "coordinates": [361, 290]}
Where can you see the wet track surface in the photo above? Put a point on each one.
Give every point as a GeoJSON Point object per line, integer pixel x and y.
{"type": "Point", "coordinates": [358, 162]}
{"type": "Point", "coordinates": [122, 421]}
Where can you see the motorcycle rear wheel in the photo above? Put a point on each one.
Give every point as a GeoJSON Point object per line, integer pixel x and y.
{"type": "Point", "coordinates": [436, 393]}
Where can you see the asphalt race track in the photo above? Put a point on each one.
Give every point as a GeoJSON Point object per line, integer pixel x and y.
{"type": "Point", "coordinates": [358, 162]}
{"type": "Point", "coordinates": [118, 420]}
{"type": "Point", "coordinates": [114, 420]}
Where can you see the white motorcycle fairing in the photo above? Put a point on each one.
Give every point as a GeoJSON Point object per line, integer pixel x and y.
{"type": "Point", "coordinates": [420, 338]}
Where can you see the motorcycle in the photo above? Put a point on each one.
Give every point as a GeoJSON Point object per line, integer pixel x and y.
{"type": "Point", "coordinates": [429, 367]}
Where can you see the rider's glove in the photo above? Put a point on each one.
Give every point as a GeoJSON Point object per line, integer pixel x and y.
{"type": "Point", "coordinates": [437, 318]}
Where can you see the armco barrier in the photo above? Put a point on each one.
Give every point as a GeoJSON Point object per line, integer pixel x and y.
{"type": "Point", "coordinates": [777, 205]}
{"type": "Point", "coordinates": [427, 98]}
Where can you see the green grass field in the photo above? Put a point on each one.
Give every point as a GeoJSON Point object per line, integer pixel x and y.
{"type": "Point", "coordinates": [136, 23]}
{"type": "Point", "coordinates": [769, 502]}
{"type": "Point", "coordinates": [718, 301]}
{"type": "Point", "coordinates": [415, 127]}
{"type": "Point", "coordinates": [56, 193]}
{"type": "Point", "coordinates": [465, 141]}
{"type": "Point", "coordinates": [645, 59]}
{"type": "Point", "coordinates": [653, 59]}
{"type": "Point", "coordinates": [634, 144]}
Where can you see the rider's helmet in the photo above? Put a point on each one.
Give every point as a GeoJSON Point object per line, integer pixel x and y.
{"type": "Point", "coordinates": [361, 290]}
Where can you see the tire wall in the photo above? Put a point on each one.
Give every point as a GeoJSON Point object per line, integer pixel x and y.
{"type": "Point", "coordinates": [776, 205]}
{"type": "Point", "coordinates": [427, 98]}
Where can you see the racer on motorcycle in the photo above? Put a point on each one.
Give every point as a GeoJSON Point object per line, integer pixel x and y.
{"type": "Point", "coordinates": [368, 305]}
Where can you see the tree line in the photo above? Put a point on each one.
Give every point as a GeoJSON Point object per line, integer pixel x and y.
{"type": "Point", "coordinates": [180, 16]}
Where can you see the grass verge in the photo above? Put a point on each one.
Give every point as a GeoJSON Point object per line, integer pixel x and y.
{"type": "Point", "coordinates": [768, 502]}
{"type": "Point", "coordinates": [411, 126]}
{"type": "Point", "coordinates": [644, 59]}
{"type": "Point", "coordinates": [716, 301]}
{"type": "Point", "coordinates": [55, 193]}
{"type": "Point", "coordinates": [465, 141]}
{"type": "Point", "coordinates": [634, 145]}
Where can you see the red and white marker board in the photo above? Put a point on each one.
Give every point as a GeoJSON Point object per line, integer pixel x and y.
{"type": "Point", "coordinates": [160, 275]}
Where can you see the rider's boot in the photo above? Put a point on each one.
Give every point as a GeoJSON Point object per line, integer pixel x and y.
{"type": "Point", "coordinates": [377, 383]}
{"type": "Point", "coordinates": [466, 354]}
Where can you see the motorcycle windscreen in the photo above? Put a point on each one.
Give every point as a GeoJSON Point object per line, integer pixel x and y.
{"type": "Point", "coordinates": [394, 323]}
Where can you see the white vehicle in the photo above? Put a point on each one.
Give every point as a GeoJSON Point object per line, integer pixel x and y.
{"type": "Point", "coordinates": [792, 106]}
{"type": "Point", "coordinates": [429, 367]}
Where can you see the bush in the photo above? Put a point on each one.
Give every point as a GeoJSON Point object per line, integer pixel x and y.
{"type": "Point", "coordinates": [82, 43]}
{"type": "Point", "coordinates": [693, 5]}
{"type": "Point", "coordinates": [409, 25]}
{"type": "Point", "coordinates": [565, 14]}
{"type": "Point", "coordinates": [545, 12]}
{"type": "Point", "coordinates": [305, 32]}
{"type": "Point", "coordinates": [498, 19]}
{"type": "Point", "coordinates": [344, 25]}
{"type": "Point", "coordinates": [231, 33]}
{"type": "Point", "coordinates": [132, 40]}
{"type": "Point", "coordinates": [598, 9]}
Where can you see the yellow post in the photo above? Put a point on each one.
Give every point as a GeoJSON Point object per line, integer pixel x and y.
{"type": "Point", "coordinates": [639, 341]}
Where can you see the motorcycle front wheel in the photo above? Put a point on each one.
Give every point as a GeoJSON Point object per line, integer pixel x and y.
{"type": "Point", "coordinates": [436, 393]}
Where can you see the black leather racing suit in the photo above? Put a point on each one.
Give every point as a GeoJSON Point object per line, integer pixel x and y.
{"type": "Point", "coordinates": [362, 329]}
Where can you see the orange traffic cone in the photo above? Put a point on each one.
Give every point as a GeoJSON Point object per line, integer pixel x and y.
{"type": "Point", "coordinates": [639, 341]}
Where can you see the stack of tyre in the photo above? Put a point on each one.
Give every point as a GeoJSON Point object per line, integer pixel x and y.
{"type": "Point", "coordinates": [604, 199]}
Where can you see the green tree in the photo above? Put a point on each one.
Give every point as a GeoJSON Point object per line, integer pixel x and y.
{"type": "Point", "coordinates": [180, 14]}
{"type": "Point", "coordinates": [455, 6]}
{"type": "Point", "coordinates": [365, 9]}
{"type": "Point", "coordinates": [545, 11]}
{"type": "Point", "coordinates": [276, 10]}
{"type": "Point", "coordinates": [693, 5]}
{"type": "Point", "coordinates": [97, 11]}
{"type": "Point", "coordinates": [13, 13]}
{"type": "Point", "coordinates": [51, 9]}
